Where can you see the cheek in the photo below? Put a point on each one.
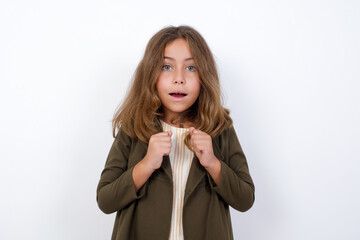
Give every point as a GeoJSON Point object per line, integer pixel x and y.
{"type": "Point", "coordinates": [159, 83]}
{"type": "Point", "coordinates": [197, 84]}
{"type": "Point", "coordinates": [192, 76]}
{"type": "Point", "coordinates": [161, 87]}
{"type": "Point", "coordinates": [197, 92]}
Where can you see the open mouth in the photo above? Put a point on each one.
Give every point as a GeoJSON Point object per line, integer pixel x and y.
{"type": "Point", "coordinates": [178, 94]}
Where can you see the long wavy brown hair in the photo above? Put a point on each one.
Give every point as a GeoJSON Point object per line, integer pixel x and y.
{"type": "Point", "coordinates": [140, 112]}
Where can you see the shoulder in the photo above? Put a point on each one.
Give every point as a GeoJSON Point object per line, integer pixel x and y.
{"type": "Point", "coordinates": [227, 133]}
{"type": "Point", "coordinates": [123, 138]}
{"type": "Point", "coordinates": [227, 139]}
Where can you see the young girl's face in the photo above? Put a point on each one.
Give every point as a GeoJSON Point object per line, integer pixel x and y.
{"type": "Point", "coordinates": [178, 85]}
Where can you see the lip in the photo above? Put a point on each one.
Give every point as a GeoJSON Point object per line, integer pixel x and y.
{"type": "Point", "coordinates": [177, 99]}
{"type": "Point", "coordinates": [177, 95]}
{"type": "Point", "coordinates": [178, 91]}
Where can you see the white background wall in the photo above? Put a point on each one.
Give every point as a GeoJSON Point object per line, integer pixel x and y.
{"type": "Point", "coordinates": [290, 75]}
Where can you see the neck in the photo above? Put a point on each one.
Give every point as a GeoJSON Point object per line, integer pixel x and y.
{"type": "Point", "coordinates": [180, 123]}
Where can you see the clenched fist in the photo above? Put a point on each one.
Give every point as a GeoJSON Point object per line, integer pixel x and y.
{"type": "Point", "coordinates": [159, 146]}
{"type": "Point", "coordinates": [201, 142]}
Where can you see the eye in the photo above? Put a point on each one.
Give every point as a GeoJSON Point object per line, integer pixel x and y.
{"type": "Point", "coordinates": [191, 68]}
{"type": "Point", "coordinates": [166, 67]}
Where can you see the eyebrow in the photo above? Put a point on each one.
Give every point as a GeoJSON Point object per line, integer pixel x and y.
{"type": "Point", "coordinates": [186, 59]}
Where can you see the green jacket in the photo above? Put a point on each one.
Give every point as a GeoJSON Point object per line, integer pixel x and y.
{"type": "Point", "coordinates": [146, 215]}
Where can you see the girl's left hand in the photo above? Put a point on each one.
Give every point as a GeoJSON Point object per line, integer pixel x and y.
{"type": "Point", "coordinates": [201, 142]}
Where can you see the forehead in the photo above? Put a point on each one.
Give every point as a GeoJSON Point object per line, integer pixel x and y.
{"type": "Point", "coordinates": [178, 50]}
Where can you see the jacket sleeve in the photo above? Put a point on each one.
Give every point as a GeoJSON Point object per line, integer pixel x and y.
{"type": "Point", "coordinates": [236, 186]}
{"type": "Point", "coordinates": [116, 188]}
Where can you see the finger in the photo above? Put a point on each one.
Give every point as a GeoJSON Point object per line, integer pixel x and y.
{"type": "Point", "coordinates": [163, 133]}
{"type": "Point", "coordinates": [194, 146]}
{"type": "Point", "coordinates": [196, 149]}
{"type": "Point", "coordinates": [164, 139]}
{"type": "Point", "coordinates": [192, 129]}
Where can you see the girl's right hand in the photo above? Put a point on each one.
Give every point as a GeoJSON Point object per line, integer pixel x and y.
{"type": "Point", "coordinates": [159, 146]}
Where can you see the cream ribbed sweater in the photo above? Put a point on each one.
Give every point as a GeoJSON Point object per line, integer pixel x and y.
{"type": "Point", "coordinates": [180, 160]}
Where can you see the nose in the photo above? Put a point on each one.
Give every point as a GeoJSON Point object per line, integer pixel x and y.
{"type": "Point", "coordinates": [179, 77]}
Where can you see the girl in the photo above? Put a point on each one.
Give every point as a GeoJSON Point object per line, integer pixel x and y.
{"type": "Point", "coordinates": [176, 164]}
